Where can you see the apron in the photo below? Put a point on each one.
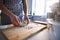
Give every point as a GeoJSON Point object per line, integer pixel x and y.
{"type": "Point", "coordinates": [15, 6]}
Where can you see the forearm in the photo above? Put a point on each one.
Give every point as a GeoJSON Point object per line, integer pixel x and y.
{"type": "Point", "coordinates": [4, 9]}
{"type": "Point", "coordinates": [25, 7]}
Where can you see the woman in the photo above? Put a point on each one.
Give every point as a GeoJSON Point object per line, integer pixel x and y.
{"type": "Point", "coordinates": [11, 9]}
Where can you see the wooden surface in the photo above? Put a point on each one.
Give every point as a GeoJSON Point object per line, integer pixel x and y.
{"type": "Point", "coordinates": [20, 33]}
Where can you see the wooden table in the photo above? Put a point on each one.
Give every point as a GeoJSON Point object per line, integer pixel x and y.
{"type": "Point", "coordinates": [20, 33]}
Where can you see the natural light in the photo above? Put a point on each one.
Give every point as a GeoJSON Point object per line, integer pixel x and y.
{"type": "Point", "coordinates": [39, 7]}
{"type": "Point", "coordinates": [43, 6]}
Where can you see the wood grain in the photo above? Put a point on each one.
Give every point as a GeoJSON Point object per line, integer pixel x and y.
{"type": "Point", "coordinates": [20, 33]}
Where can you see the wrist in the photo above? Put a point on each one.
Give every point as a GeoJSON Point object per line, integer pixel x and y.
{"type": "Point", "coordinates": [25, 15]}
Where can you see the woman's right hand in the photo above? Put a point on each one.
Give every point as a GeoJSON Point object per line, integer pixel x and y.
{"type": "Point", "coordinates": [15, 20]}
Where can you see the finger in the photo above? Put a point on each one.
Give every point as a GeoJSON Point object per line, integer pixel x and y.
{"type": "Point", "coordinates": [15, 24]}
{"type": "Point", "coordinates": [19, 19]}
{"type": "Point", "coordinates": [18, 22]}
{"type": "Point", "coordinates": [25, 17]}
{"type": "Point", "coordinates": [27, 20]}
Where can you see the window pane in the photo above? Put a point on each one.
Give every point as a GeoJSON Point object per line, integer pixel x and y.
{"type": "Point", "coordinates": [39, 7]}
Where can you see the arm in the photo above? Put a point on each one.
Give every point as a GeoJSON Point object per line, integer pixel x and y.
{"type": "Point", "coordinates": [25, 11]}
{"type": "Point", "coordinates": [4, 9]}
{"type": "Point", "coordinates": [14, 19]}
{"type": "Point", "coordinates": [24, 6]}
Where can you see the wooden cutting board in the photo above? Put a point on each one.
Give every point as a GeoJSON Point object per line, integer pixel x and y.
{"type": "Point", "coordinates": [20, 33]}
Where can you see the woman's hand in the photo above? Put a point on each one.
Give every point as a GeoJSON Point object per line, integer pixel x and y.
{"type": "Point", "coordinates": [26, 19]}
{"type": "Point", "coordinates": [15, 20]}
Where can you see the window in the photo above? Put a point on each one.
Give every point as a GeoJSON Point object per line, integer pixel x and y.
{"type": "Point", "coordinates": [41, 7]}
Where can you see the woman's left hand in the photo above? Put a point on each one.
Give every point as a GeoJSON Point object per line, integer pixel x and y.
{"type": "Point", "coordinates": [26, 19]}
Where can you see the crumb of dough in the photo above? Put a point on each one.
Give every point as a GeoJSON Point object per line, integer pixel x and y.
{"type": "Point", "coordinates": [22, 24]}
